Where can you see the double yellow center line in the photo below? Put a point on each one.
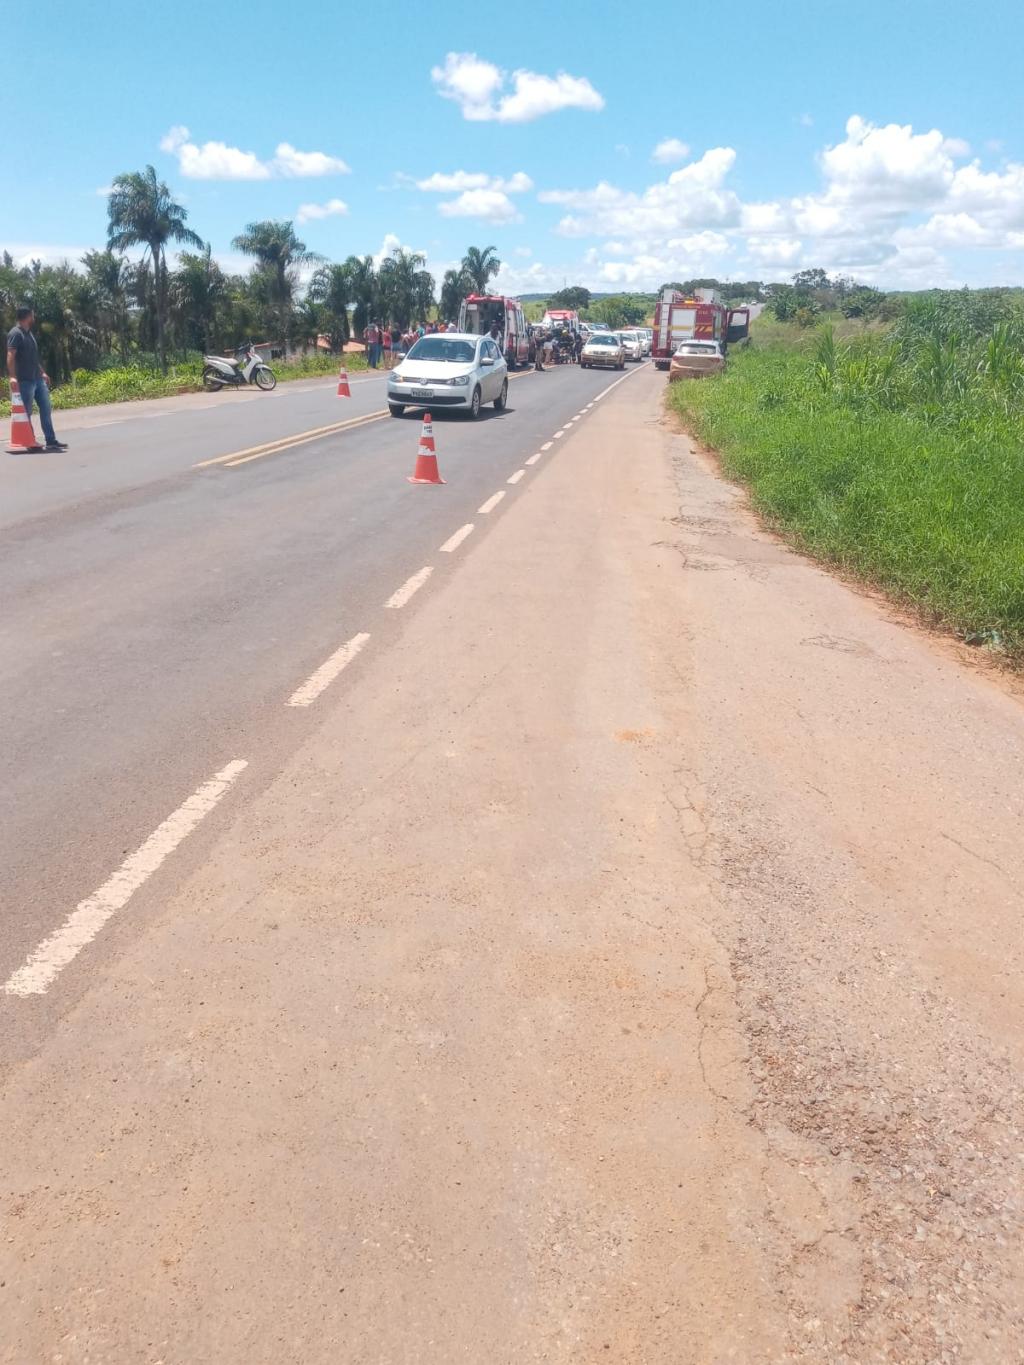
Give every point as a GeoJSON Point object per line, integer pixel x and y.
{"type": "Point", "coordinates": [238, 457]}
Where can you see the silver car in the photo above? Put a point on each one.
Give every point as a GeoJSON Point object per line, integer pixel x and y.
{"type": "Point", "coordinates": [449, 370]}
{"type": "Point", "coordinates": [632, 344]}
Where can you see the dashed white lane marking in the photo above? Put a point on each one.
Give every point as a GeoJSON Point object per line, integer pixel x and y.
{"type": "Point", "coordinates": [534, 458]}
{"type": "Point", "coordinates": [546, 446]}
{"type": "Point", "coordinates": [317, 682]}
{"type": "Point", "coordinates": [453, 542]}
{"type": "Point", "coordinates": [83, 924]}
{"type": "Point", "coordinates": [492, 502]}
{"type": "Point", "coordinates": [410, 586]}
{"type": "Point", "coordinates": [559, 434]}
{"type": "Point", "coordinates": [577, 417]}
{"type": "Point", "coordinates": [519, 474]}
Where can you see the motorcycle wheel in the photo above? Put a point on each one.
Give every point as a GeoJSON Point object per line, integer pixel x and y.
{"type": "Point", "coordinates": [212, 380]}
{"type": "Point", "coordinates": [266, 379]}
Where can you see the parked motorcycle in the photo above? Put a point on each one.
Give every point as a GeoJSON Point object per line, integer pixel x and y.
{"type": "Point", "coordinates": [248, 367]}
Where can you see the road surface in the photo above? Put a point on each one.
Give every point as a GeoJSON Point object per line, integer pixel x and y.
{"type": "Point", "coordinates": [604, 946]}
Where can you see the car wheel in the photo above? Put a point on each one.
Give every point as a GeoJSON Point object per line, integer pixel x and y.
{"type": "Point", "coordinates": [396, 409]}
{"type": "Point", "coordinates": [474, 404]}
{"type": "Point", "coordinates": [502, 398]}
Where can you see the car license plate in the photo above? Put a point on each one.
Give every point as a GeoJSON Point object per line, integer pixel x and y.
{"type": "Point", "coordinates": [422, 393]}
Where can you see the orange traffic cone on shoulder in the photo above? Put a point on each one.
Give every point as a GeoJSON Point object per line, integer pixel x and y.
{"type": "Point", "coordinates": [343, 389]}
{"type": "Point", "coordinates": [426, 456]}
{"type": "Point", "coordinates": [23, 438]}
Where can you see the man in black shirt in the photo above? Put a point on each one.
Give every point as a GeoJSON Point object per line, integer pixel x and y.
{"type": "Point", "coordinates": [33, 381]}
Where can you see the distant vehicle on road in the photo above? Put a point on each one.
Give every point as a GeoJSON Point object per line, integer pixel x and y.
{"type": "Point", "coordinates": [632, 344]}
{"type": "Point", "coordinates": [696, 359]}
{"type": "Point", "coordinates": [477, 314]}
{"type": "Point", "coordinates": [603, 350]}
{"type": "Point", "coordinates": [248, 367]}
{"type": "Point", "coordinates": [557, 319]}
{"type": "Point", "coordinates": [458, 370]}
{"type": "Point", "coordinates": [700, 317]}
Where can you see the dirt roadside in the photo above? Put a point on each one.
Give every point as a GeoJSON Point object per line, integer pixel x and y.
{"type": "Point", "coordinates": [627, 971]}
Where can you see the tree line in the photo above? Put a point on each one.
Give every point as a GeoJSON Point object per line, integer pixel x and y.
{"type": "Point", "coordinates": [127, 304]}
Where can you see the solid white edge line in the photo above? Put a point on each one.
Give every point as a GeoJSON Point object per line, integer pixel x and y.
{"type": "Point", "coordinates": [519, 474]}
{"type": "Point", "coordinates": [411, 585]}
{"type": "Point", "coordinates": [599, 396]}
{"type": "Point", "coordinates": [491, 503]}
{"type": "Point", "coordinates": [317, 682]}
{"type": "Point", "coordinates": [453, 542]}
{"type": "Point", "coordinates": [533, 458]}
{"type": "Point", "coordinates": [547, 445]}
{"type": "Point", "coordinates": [43, 966]}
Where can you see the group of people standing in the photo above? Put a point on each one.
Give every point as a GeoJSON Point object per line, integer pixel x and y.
{"type": "Point", "coordinates": [383, 343]}
{"type": "Point", "coordinates": [556, 347]}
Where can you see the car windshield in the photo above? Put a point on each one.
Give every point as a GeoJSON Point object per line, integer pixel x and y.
{"type": "Point", "coordinates": [443, 348]}
{"type": "Point", "coordinates": [602, 341]}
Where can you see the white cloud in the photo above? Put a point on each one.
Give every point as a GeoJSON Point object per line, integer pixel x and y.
{"type": "Point", "coordinates": [456, 181]}
{"type": "Point", "coordinates": [669, 151]}
{"type": "Point", "coordinates": [334, 208]}
{"type": "Point", "coordinates": [480, 89]}
{"type": "Point", "coordinates": [218, 161]}
{"type": "Point", "coordinates": [891, 165]}
{"type": "Point", "coordinates": [692, 197]}
{"type": "Point", "coordinates": [524, 251]}
{"type": "Point", "coordinates": [492, 205]}
{"type": "Point", "coordinates": [293, 164]}
{"type": "Point", "coordinates": [24, 253]}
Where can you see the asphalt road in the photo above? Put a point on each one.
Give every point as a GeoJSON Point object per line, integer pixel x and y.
{"type": "Point", "coordinates": [158, 611]}
{"type": "Point", "coordinates": [618, 959]}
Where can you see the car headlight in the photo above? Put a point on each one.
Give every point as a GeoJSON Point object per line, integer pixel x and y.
{"type": "Point", "coordinates": [395, 378]}
{"type": "Point", "coordinates": [462, 379]}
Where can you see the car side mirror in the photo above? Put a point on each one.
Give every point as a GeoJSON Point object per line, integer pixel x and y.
{"type": "Point", "coordinates": [486, 360]}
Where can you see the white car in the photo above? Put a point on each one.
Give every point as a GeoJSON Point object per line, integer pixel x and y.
{"type": "Point", "coordinates": [449, 370]}
{"type": "Point", "coordinates": [632, 345]}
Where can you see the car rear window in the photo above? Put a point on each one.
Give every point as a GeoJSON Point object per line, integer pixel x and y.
{"type": "Point", "coordinates": [695, 348]}
{"type": "Point", "coordinates": [442, 348]}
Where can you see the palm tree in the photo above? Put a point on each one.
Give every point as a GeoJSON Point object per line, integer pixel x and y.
{"type": "Point", "coordinates": [142, 213]}
{"type": "Point", "coordinates": [362, 284]}
{"type": "Point", "coordinates": [454, 288]}
{"type": "Point", "coordinates": [199, 291]}
{"type": "Point", "coordinates": [110, 278]}
{"type": "Point", "coordinates": [330, 289]}
{"type": "Point", "coordinates": [401, 286]}
{"type": "Point", "coordinates": [479, 265]}
{"type": "Point", "coordinates": [276, 248]}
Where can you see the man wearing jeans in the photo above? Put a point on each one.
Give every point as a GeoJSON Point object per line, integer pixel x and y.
{"type": "Point", "coordinates": [33, 382]}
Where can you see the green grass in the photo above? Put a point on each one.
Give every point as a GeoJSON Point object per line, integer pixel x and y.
{"type": "Point", "coordinates": [899, 458]}
{"type": "Point", "coordinates": [127, 383]}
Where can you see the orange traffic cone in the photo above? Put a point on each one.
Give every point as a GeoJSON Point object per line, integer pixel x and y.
{"type": "Point", "coordinates": [426, 456]}
{"type": "Point", "coordinates": [23, 438]}
{"type": "Point", "coordinates": [343, 389]}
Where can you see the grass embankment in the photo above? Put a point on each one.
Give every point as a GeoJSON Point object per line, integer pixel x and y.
{"type": "Point", "coordinates": [898, 457]}
{"type": "Point", "coordinates": [127, 383]}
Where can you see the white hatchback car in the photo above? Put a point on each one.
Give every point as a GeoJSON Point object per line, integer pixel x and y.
{"type": "Point", "coordinates": [632, 345]}
{"type": "Point", "coordinates": [449, 370]}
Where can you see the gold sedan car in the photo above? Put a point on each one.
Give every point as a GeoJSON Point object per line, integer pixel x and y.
{"type": "Point", "coordinates": [695, 359]}
{"type": "Point", "coordinates": [605, 351]}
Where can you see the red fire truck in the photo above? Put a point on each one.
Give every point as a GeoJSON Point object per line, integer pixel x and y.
{"type": "Point", "coordinates": [702, 317]}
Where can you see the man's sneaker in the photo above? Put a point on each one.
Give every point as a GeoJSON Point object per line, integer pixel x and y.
{"type": "Point", "coordinates": [56, 445]}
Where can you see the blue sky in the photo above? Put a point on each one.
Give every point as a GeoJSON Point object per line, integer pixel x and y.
{"type": "Point", "coordinates": [884, 140]}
